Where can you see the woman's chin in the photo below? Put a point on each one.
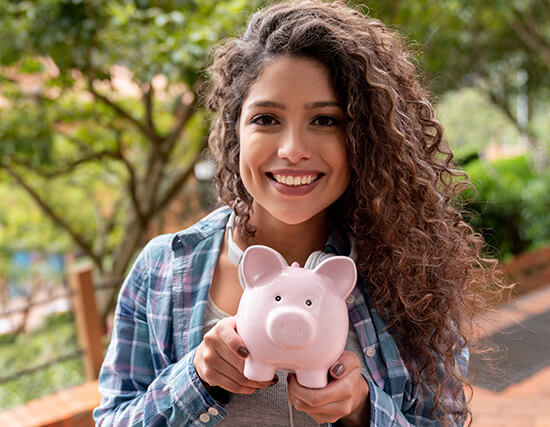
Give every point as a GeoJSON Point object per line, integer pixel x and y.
{"type": "Point", "coordinates": [294, 217]}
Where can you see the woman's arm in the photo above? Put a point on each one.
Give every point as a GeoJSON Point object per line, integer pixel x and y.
{"type": "Point", "coordinates": [138, 383]}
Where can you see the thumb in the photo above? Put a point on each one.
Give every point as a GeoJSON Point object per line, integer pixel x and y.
{"type": "Point", "coordinates": [337, 370]}
{"type": "Point", "coordinates": [228, 334]}
{"type": "Point", "coordinates": [347, 362]}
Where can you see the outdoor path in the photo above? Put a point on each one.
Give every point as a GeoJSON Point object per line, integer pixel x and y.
{"type": "Point", "coordinates": [523, 404]}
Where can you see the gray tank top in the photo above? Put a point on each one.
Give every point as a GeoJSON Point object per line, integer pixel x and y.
{"type": "Point", "coordinates": [269, 406]}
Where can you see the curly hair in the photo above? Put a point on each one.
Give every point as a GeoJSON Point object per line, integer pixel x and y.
{"type": "Point", "coordinates": [421, 263]}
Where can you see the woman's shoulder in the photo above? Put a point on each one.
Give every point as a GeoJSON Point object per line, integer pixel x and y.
{"type": "Point", "coordinates": [165, 252]}
{"type": "Point", "coordinates": [209, 225]}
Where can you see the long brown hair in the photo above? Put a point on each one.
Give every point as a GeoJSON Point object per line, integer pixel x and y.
{"type": "Point", "coordinates": [421, 262]}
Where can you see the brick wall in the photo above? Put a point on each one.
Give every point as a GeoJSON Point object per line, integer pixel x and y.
{"type": "Point", "coordinates": [530, 270]}
{"type": "Point", "coordinates": [71, 407]}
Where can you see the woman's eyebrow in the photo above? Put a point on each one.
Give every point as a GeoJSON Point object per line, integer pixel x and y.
{"type": "Point", "coordinates": [267, 103]}
{"type": "Point", "coordinates": [322, 104]}
{"type": "Point", "coordinates": [310, 106]}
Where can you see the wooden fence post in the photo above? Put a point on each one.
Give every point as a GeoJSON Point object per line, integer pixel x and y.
{"type": "Point", "coordinates": [88, 323]}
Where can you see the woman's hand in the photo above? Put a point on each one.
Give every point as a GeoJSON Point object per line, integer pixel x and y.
{"type": "Point", "coordinates": [345, 398]}
{"type": "Point", "coordinates": [219, 360]}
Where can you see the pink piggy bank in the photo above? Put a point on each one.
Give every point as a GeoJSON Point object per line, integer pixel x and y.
{"type": "Point", "coordinates": [291, 317]}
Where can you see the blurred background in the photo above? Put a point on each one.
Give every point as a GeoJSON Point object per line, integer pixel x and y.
{"type": "Point", "coordinates": [103, 146]}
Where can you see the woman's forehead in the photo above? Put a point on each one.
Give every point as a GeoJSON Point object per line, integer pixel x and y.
{"type": "Point", "coordinates": [297, 79]}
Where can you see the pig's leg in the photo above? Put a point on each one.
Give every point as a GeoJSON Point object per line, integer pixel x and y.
{"type": "Point", "coordinates": [258, 371]}
{"type": "Point", "coordinates": [312, 378]}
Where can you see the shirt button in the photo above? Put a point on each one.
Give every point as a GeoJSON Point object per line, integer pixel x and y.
{"type": "Point", "coordinates": [204, 417]}
{"type": "Point", "coordinates": [371, 351]}
{"type": "Point", "coordinates": [350, 299]}
{"type": "Point", "coordinates": [213, 411]}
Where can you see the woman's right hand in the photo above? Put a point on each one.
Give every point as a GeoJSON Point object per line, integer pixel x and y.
{"type": "Point", "coordinates": [219, 360]}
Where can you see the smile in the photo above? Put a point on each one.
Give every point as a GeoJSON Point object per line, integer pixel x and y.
{"type": "Point", "coordinates": [294, 181]}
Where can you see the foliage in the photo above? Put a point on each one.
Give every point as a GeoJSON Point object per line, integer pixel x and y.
{"type": "Point", "coordinates": [472, 123]}
{"type": "Point", "coordinates": [486, 44]}
{"type": "Point", "coordinates": [510, 206]}
{"type": "Point", "coordinates": [101, 123]}
{"type": "Point", "coordinates": [56, 338]}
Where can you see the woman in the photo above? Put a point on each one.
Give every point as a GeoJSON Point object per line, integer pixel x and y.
{"type": "Point", "coordinates": [325, 143]}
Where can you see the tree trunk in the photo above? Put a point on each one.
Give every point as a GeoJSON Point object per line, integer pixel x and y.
{"type": "Point", "coordinates": [131, 241]}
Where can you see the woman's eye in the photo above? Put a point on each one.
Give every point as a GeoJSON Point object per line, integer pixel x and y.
{"type": "Point", "coordinates": [264, 120]}
{"type": "Point", "coordinates": [327, 121]}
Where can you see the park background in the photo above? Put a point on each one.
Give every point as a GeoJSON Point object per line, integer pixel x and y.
{"type": "Point", "coordinates": [103, 145]}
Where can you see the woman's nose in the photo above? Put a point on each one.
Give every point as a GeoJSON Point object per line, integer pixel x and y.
{"type": "Point", "coordinates": [294, 147]}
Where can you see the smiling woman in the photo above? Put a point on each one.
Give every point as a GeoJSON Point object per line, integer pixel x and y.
{"type": "Point", "coordinates": [325, 144]}
{"type": "Point", "coordinates": [293, 156]}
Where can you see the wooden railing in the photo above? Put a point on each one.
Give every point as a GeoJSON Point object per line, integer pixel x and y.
{"type": "Point", "coordinates": [88, 324]}
{"type": "Point", "coordinates": [72, 406]}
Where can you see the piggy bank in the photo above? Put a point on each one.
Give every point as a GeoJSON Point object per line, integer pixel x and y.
{"type": "Point", "coordinates": [293, 318]}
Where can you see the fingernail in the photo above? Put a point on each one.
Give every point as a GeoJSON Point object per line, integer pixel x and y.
{"type": "Point", "coordinates": [241, 351]}
{"type": "Point", "coordinates": [337, 370]}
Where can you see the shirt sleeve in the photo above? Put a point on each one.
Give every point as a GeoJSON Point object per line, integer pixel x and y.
{"type": "Point", "coordinates": [414, 411]}
{"type": "Point", "coordinates": [137, 389]}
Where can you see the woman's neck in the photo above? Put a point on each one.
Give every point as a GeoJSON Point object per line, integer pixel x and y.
{"type": "Point", "coordinates": [294, 241]}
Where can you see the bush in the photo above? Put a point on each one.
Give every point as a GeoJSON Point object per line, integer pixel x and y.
{"type": "Point", "coordinates": [511, 205]}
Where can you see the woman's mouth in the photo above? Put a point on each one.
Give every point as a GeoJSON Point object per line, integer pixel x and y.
{"type": "Point", "coordinates": [295, 184]}
{"type": "Point", "coordinates": [294, 180]}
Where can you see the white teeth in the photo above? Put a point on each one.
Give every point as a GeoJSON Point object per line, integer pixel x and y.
{"type": "Point", "coordinates": [294, 181]}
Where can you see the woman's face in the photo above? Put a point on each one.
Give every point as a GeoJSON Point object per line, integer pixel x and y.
{"type": "Point", "coordinates": [293, 158]}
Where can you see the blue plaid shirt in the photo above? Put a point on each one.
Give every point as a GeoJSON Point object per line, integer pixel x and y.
{"type": "Point", "coordinates": [148, 377]}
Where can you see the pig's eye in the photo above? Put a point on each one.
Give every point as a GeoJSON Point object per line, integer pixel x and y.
{"type": "Point", "coordinates": [278, 298]}
{"type": "Point", "coordinates": [308, 302]}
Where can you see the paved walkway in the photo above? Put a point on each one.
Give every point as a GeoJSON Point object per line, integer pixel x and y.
{"type": "Point", "coordinates": [524, 404]}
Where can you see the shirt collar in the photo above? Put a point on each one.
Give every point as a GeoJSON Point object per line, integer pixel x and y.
{"type": "Point", "coordinates": [339, 242]}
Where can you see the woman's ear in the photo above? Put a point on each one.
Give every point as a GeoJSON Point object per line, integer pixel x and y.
{"type": "Point", "coordinates": [341, 272]}
{"type": "Point", "coordinates": [258, 263]}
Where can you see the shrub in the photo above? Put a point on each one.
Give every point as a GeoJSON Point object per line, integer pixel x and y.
{"type": "Point", "coordinates": [511, 205]}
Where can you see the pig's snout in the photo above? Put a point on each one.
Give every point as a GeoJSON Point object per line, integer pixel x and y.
{"type": "Point", "coordinates": [290, 327]}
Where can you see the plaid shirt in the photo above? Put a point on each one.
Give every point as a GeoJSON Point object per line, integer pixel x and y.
{"type": "Point", "coordinates": [148, 377]}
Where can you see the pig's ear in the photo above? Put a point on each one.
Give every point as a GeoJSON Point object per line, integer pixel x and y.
{"type": "Point", "coordinates": [341, 272]}
{"type": "Point", "coordinates": [260, 262]}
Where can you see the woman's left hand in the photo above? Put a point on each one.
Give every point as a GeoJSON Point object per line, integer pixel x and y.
{"type": "Point", "coordinates": [345, 398]}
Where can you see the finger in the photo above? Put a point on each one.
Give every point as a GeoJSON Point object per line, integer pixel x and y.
{"type": "Point", "coordinates": [326, 405]}
{"type": "Point", "coordinates": [326, 414]}
{"type": "Point", "coordinates": [231, 385]}
{"type": "Point", "coordinates": [215, 371]}
{"type": "Point", "coordinates": [223, 339]}
{"type": "Point", "coordinates": [345, 364]}
{"type": "Point", "coordinates": [218, 357]}
{"type": "Point", "coordinates": [228, 334]}
{"type": "Point", "coordinates": [335, 391]}
{"type": "Point", "coordinates": [235, 374]}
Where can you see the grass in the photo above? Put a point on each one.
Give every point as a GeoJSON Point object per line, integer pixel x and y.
{"type": "Point", "coordinates": [56, 338]}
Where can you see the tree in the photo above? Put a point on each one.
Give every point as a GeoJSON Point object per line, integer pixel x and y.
{"type": "Point", "coordinates": [500, 46]}
{"type": "Point", "coordinates": [101, 123]}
